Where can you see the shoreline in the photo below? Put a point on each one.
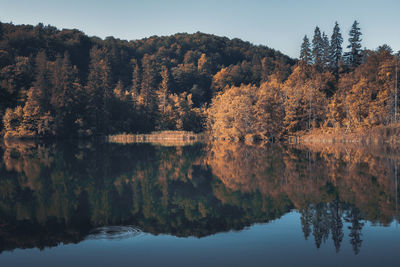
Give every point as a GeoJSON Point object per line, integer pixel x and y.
{"type": "Point", "coordinates": [176, 138]}
{"type": "Point", "coordinates": [379, 135]}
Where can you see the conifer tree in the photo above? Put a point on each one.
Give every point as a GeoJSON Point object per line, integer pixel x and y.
{"type": "Point", "coordinates": [64, 94]}
{"type": "Point", "coordinates": [42, 81]}
{"type": "Point", "coordinates": [135, 89]}
{"type": "Point", "coordinates": [354, 56]}
{"type": "Point", "coordinates": [336, 49]}
{"type": "Point", "coordinates": [317, 49]}
{"type": "Point", "coordinates": [326, 50]}
{"type": "Point", "coordinates": [305, 51]}
{"type": "Point", "coordinates": [163, 90]}
{"type": "Point", "coordinates": [98, 89]}
{"type": "Point", "coordinates": [148, 85]}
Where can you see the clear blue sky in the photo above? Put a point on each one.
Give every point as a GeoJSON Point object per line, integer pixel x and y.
{"type": "Point", "coordinates": [280, 24]}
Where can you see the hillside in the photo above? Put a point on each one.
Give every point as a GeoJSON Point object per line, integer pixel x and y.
{"type": "Point", "coordinates": [63, 82]}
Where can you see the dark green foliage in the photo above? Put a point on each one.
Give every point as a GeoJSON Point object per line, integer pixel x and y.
{"type": "Point", "coordinates": [317, 48]}
{"type": "Point", "coordinates": [305, 51]}
{"type": "Point", "coordinates": [71, 78]}
{"type": "Point", "coordinates": [354, 56]}
{"type": "Point", "coordinates": [336, 49]}
{"type": "Point", "coordinates": [98, 91]}
{"type": "Point", "coordinates": [326, 51]}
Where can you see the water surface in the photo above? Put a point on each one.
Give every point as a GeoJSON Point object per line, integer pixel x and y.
{"type": "Point", "coordinates": [201, 205]}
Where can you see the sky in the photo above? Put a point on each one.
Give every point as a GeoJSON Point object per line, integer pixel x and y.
{"type": "Point", "coordinates": [279, 24]}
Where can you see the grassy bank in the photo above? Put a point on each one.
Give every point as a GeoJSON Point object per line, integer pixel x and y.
{"type": "Point", "coordinates": [173, 138]}
{"type": "Point", "coordinates": [389, 134]}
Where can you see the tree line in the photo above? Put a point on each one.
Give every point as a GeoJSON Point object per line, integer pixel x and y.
{"type": "Point", "coordinates": [62, 83]}
{"type": "Point", "coordinates": [327, 89]}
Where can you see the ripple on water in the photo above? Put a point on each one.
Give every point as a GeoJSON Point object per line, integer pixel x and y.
{"type": "Point", "coordinates": [114, 232]}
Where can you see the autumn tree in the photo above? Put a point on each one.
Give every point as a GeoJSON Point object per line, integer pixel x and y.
{"type": "Point", "coordinates": [269, 110]}
{"type": "Point", "coordinates": [231, 114]}
{"type": "Point", "coordinates": [136, 81]}
{"type": "Point", "coordinates": [148, 85]}
{"type": "Point", "coordinates": [162, 96]}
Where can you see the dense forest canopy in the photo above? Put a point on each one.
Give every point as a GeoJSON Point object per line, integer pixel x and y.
{"type": "Point", "coordinates": [64, 83]}
{"type": "Point", "coordinates": [327, 90]}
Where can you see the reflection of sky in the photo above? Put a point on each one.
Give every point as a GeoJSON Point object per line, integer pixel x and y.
{"type": "Point", "coordinates": [278, 243]}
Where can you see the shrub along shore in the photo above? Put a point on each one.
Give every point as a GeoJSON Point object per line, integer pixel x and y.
{"type": "Point", "coordinates": [389, 134]}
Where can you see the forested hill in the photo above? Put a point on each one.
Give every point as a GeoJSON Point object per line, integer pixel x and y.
{"type": "Point", "coordinates": [64, 83]}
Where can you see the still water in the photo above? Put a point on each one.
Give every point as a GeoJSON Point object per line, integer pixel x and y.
{"type": "Point", "coordinates": [221, 204]}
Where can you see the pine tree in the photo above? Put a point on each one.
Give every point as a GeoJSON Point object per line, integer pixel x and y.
{"type": "Point", "coordinates": [354, 56]}
{"type": "Point", "coordinates": [317, 49]}
{"type": "Point", "coordinates": [148, 85]}
{"type": "Point", "coordinates": [98, 89]}
{"type": "Point", "coordinates": [336, 49]}
{"type": "Point", "coordinates": [163, 90]}
{"type": "Point", "coordinates": [64, 95]}
{"type": "Point", "coordinates": [42, 81]}
{"type": "Point", "coordinates": [326, 50]}
{"type": "Point", "coordinates": [305, 51]}
{"type": "Point", "coordinates": [135, 89]}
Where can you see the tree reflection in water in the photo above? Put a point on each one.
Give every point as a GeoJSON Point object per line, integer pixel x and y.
{"type": "Point", "coordinates": [52, 193]}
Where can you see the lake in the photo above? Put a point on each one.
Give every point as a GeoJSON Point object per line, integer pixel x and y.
{"type": "Point", "coordinates": [219, 204]}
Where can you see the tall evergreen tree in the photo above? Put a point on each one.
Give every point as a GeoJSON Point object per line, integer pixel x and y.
{"type": "Point", "coordinates": [148, 85]}
{"type": "Point", "coordinates": [317, 49]}
{"type": "Point", "coordinates": [354, 56]}
{"type": "Point", "coordinates": [326, 50]}
{"type": "Point", "coordinates": [43, 81]}
{"type": "Point", "coordinates": [336, 49]}
{"type": "Point", "coordinates": [135, 88]}
{"type": "Point", "coordinates": [305, 51]}
{"type": "Point", "coordinates": [64, 95]}
{"type": "Point", "coordinates": [98, 89]}
{"type": "Point", "coordinates": [163, 90]}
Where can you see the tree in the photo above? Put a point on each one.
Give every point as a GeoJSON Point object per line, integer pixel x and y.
{"type": "Point", "coordinates": [336, 49]}
{"type": "Point", "coordinates": [231, 114]}
{"type": "Point", "coordinates": [135, 88]}
{"type": "Point", "coordinates": [354, 56]}
{"type": "Point", "coordinates": [148, 85]}
{"type": "Point", "coordinates": [162, 95]}
{"type": "Point", "coordinates": [269, 110]}
{"type": "Point", "coordinates": [163, 89]}
{"type": "Point", "coordinates": [305, 51]}
{"type": "Point", "coordinates": [64, 97]}
{"type": "Point", "coordinates": [12, 121]}
{"type": "Point", "coordinates": [98, 89]}
{"type": "Point", "coordinates": [326, 51]}
{"type": "Point", "coordinates": [317, 49]}
{"type": "Point", "coordinates": [42, 81]}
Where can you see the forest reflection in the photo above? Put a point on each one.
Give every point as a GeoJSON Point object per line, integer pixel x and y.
{"type": "Point", "coordinates": [53, 193]}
